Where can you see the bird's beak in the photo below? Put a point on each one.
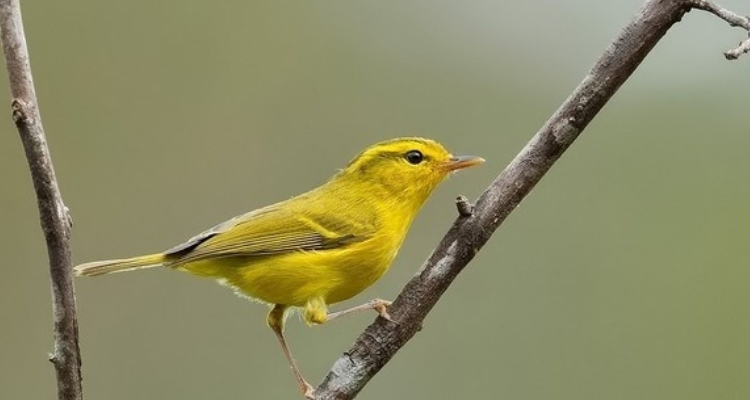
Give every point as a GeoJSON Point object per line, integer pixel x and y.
{"type": "Point", "coordinates": [461, 162]}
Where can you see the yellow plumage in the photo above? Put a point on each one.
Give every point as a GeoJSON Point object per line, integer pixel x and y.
{"type": "Point", "coordinates": [321, 247]}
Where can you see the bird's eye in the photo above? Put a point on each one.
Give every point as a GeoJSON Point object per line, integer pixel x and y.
{"type": "Point", "coordinates": [414, 157]}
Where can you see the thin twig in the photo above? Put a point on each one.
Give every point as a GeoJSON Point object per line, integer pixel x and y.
{"type": "Point", "coordinates": [54, 216]}
{"type": "Point", "coordinates": [380, 341]}
{"type": "Point", "coordinates": [732, 19]}
{"type": "Point", "coordinates": [735, 53]}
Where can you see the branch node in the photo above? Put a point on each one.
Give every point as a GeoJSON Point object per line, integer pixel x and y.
{"type": "Point", "coordinates": [465, 208]}
{"type": "Point", "coordinates": [18, 110]}
{"type": "Point", "coordinates": [735, 53]}
{"type": "Point", "coordinates": [68, 217]}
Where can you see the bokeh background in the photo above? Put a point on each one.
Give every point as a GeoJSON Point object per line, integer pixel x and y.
{"type": "Point", "coordinates": [623, 275]}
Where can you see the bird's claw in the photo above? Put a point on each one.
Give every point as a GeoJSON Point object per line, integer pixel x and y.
{"type": "Point", "coordinates": [381, 306]}
{"type": "Point", "coordinates": [308, 391]}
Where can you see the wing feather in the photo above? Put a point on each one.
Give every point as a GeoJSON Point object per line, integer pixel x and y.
{"type": "Point", "coordinates": [268, 231]}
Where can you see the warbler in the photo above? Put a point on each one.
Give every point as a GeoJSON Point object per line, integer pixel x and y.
{"type": "Point", "coordinates": [321, 247]}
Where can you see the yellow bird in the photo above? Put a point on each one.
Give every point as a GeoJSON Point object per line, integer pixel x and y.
{"type": "Point", "coordinates": [321, 247]}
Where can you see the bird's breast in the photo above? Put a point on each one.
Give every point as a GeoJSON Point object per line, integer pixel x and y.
{"type": "Point", "coordinates": [361, 266]}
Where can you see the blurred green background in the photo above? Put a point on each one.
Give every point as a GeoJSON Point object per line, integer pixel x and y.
{"type": "Point", "coordinates": [623, 275]}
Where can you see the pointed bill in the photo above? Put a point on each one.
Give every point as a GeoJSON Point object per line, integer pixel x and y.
{"type": "Point", "coordinates": [461, 162]}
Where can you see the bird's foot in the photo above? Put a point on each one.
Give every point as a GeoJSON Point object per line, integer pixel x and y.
{"type": "Point", "coordinates": [308, 391]}
{"type": "Point", "coordinates": [381, 307]}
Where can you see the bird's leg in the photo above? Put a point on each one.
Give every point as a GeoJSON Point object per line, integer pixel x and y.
{"type": "Point", "coordinates": [276, 321]}
{"type": "Point", "coordinates": [379, 305]}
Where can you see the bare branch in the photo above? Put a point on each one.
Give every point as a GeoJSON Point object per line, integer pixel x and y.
{"type": "Point", "coordinates": [53, 213]}
{"type": "Point", "coordinates": [381, 340]}
{"type": "Point", "coordinates": [735, 53]}
{"type": "Point", "coordinates": [731, 18]}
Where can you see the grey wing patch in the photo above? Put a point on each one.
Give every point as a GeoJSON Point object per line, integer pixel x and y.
{"type": "Point", "coordinates": [191, 244]}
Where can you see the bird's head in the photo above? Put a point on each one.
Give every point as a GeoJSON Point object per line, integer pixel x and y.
{"type": "Point", "coordinates": [408, 168]}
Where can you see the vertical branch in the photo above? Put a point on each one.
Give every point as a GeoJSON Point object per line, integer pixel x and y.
{"type": "Point", "coordinates": [53, 214]}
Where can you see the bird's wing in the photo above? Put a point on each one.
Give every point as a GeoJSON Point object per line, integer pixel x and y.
{"type": "Point", "coordinates": [269, 231]}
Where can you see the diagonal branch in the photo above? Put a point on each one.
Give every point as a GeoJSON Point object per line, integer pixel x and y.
{"type": "Point", "coordinates": [53, 213]}
{"type": "Point", "coordinates": [382, 339]}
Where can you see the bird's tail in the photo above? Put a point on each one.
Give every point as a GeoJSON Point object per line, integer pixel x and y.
{"type": "Point", "coordinates": [97, 268]}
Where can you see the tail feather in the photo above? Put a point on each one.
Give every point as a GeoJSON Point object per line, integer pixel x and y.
{"type": "Point", "coordinates": [97, 268]}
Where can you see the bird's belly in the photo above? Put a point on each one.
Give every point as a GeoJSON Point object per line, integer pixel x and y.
{"type": "Point", "coordinates": [295, 278]}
